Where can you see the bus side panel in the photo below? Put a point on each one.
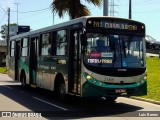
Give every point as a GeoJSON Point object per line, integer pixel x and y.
{"type": "Point", "coordinates": [11, 67]}
{"type": "Point", "coordinates": [24, 66]}
{"type": "Point", "coordinates": [39, 74]}
{"type": "Point", "coordinates": [53, 67]}
{"type": "Point", "coordinates": [48, 68]}
{"type": "Point", "coordinates": [43, 72]}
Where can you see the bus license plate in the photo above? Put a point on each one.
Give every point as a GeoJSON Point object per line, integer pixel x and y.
{"type": "Point", "coordinates": [120, 91]}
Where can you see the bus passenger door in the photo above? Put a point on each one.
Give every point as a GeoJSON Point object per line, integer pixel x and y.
{"type": "Point", "coordinates": [33, 60]}
{"type": "Point", "coordinates": [74, 68]}
{"type": "Point", "coordinates": [44, 62]}
{"type": "Point", "coordinates": [17, 57]}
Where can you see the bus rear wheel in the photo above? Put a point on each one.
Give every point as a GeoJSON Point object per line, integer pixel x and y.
{"type": "Point", "coordinates": [23, 80]}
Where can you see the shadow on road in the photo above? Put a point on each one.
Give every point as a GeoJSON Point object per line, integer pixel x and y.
{"type": "Point", "coordinates": [76, 107]}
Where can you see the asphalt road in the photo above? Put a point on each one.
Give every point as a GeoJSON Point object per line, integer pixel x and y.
{"type": "Point", "coordinates": [19, 102]}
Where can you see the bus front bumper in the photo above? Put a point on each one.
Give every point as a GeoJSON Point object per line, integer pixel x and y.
{"type": "Point", "coordinates": [95, 88]}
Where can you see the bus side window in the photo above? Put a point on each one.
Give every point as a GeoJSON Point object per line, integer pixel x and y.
{"type": "Point", "coordinates": [12, 48]}
{"type": "Point", "coordinates": [24, 47]}
{"type": "Point", "coordinates": [46, 44]}
{"type": "Point", "coordinates": [61, 43]}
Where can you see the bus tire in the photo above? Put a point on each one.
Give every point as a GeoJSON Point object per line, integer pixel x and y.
{"type": "Point", "coordinates": [110, 99]}
{"type": "Point", "coordinates": [23, 79]}
{"type": "Point", "coordinates": [61, 91]}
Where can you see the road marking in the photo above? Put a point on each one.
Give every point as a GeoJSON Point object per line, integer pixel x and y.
{"type": "Point", "coordinates": [6, 87]}
{"type": "Point", "coordinates": [7, 83]}
{"type": "Point", "coordinates": [50, 103]}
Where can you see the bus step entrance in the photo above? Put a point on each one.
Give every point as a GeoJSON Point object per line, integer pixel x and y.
{"type": "Point", "coordinates": [33, 85]}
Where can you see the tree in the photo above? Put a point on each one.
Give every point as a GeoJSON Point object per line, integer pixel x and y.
{"type": "Point", "coordinates": [74, 8]}
{"type": "Point", "coordinates": [3, 30]}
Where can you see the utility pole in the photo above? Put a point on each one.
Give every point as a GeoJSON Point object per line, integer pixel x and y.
{"type": "Point", "coordinates": [17, 11]}
{"type": "Point", "coordinates": [112, 10]}
{"type": "Point", "coordinates": [53, 17]}
{"type": "Point", "coordinates": [8, 30]}
{"type": "Point", "coordinates": [130, 9]}
{"type": "Point", "coordinates": [105, 7]}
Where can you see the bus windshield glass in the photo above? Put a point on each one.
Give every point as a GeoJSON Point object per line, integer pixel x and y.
{"type": "Point", "coordinates": [117, 51]}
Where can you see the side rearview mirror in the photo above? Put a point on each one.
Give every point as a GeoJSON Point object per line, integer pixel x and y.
{"type": "Point", "coordinates": [83, 40]}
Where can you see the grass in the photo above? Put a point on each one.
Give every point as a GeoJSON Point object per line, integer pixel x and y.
{"type": "Point", "coordinates": [3, 70]}
{"type": "Point", "coordinates": [153, 78]}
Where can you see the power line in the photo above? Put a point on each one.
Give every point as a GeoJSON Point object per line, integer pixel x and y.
{"type": "Point", "coordinates": [3, 18]}
{"type": "Point", "coordinates": [28, 16]}
{"type": "Point", "coordinates": [141, 3]}
{"type": "Point", "coordinates": [39, 20]}
{"type": "Point", "coordinates": [32, 11]}
{"type": "Point", "coordinates": [139, 12]}
{"type": "Point", "coordinates": [153, 11]}
{"type": "Point", "coordinates": [146, 1]}
{"type": "Point", "coordinates": [3, 9]}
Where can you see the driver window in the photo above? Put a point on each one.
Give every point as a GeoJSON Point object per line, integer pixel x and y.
{"type": "Point", "coordinates": [102, 45]}
{"type": "Point", "coordinates": [98, 43]}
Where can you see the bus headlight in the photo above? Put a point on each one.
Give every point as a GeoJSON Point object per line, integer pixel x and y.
{"type": "Point", "coordinates": [145, 77]}
{"type": "Point", "coordinates": [88, 77]}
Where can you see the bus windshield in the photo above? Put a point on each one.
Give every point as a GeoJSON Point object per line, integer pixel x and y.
{"type": "Point", "coordinates": [117, 51]}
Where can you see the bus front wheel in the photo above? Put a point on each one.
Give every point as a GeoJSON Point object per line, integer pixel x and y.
{"type": "Point", "coordinates": [61, 91]}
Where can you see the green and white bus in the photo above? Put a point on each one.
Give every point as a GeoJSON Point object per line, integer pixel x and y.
{"type": "Point", "coordinates": [86, 57]}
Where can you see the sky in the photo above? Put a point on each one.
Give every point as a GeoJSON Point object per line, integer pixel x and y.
{"type": "Point", "coordinates": [38, 14]}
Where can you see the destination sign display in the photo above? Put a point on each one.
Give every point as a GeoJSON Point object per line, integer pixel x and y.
{"type": "Point", "coordinates": [114, 24]}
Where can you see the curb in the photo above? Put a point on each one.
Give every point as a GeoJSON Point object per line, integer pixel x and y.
{"type": "Point", "coordinates": [146, 100]}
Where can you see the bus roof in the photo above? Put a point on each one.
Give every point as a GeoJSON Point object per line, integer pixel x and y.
{"type": "Point", "coordinates": [61, 25]}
